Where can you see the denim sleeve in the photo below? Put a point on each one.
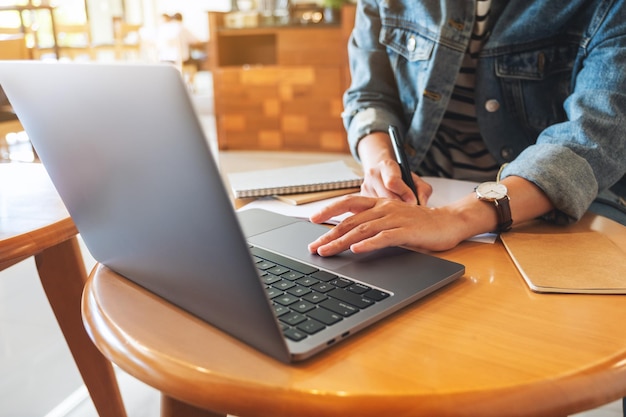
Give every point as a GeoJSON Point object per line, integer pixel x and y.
{"type": "Point", "coordinates": [574, 160]}
{"type": "Point", "coordinates": [371, 103]}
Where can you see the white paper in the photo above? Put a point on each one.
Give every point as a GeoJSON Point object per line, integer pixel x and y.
{"type": "Point", "coordinates": [302, 211]}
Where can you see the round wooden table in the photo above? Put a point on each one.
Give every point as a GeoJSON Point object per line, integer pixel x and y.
{"type": "Point", "coordinates": [34, 222]}
{"type": "Point", "coordinates": [483, 346]}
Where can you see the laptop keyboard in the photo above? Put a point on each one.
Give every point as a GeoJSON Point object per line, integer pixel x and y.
{"type": "Point", "coordinates": [306, 299]}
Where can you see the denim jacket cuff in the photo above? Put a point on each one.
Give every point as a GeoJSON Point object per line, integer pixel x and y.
{"type": "Point", "coordinates": [566, 178]}
{"type": "Point", "coordinates": [368, 120]}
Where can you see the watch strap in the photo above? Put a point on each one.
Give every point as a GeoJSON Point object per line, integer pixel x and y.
{"type": "Point", "coordinates": [503, 209]}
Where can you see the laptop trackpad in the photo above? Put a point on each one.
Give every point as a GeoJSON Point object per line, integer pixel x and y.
{"type": "Point", "coordinates": [394, 269]}
{"type": "Point", "coordinates": [292, 241]}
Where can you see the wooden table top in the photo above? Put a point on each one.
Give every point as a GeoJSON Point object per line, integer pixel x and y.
{"type": "Point", "coordinates": [484, 346]}
{"type": "Point", "coordinates": [32, 216]}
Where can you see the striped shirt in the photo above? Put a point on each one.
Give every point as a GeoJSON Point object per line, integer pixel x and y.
{"type": "Point", "coordinates": [458, 150]}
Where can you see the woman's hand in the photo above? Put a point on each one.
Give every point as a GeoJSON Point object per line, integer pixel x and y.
{"type": "Point", "coordinates": [382, 174]}
{"type": "Point", "coordinates": [385, 180]}
{"type": "Point", "coordinates": [378, 223]}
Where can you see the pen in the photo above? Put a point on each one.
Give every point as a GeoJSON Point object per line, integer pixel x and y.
{"type": "Point", "coordinates": [402, 160]}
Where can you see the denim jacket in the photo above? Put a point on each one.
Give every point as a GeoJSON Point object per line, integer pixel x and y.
{"type": "Point", "coordinates": [550, 85]}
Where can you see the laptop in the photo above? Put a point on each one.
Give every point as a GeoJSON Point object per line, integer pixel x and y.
{"type": "Point", "coordinates": [126, 151]}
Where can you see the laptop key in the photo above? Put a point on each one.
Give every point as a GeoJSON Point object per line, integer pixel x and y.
{"type": "Point", "coordinates": [280, 310]}
{"type": "Point", "coordinates": [292, 275]}
{"type": "Point", "coordinates": [359, 288]}
{"type": "Point", "coordinates": [281, 260]}
{"type": "Point", "coordinates": [295, 334]}
{"type": "Point", "coordinates": [325, 316]}
{"type": "Point", "coordinates": [376, 295]}
{"type": "Point", "coordinates": [299, 291]}
{"type": "Point", "coordinates": [322, 287]}
{"type": "Point", "coordinates": [314, 297]}
{"type": "Point", "coordinates": [324, 276]}
{"type": "Point", "coordinates": [341, 282]}
{"type": "Point", "coordinates": [265, 265]}
{"type": "Point", "coordinates": [311, 326]}
{"type": "Point", "coordinates": [283, 285]}
{"type": "Point", "coordinates": [351, 298]}
{"type": "Point", "coordinates": [278, 270]}
{"type": "Point", "coordinates": [292, 318]}
{"type": "Point", "coordinates": [285, 299]}
{"type": "Point", "coordinates": [273, 292]}
{"type": "Point", "coordinates": [302, 306]}
{"type": "Point", "coordinates": [307, 281]}
{"type": "Point", "coordinates": [270, 279]}
{"type": "Point", "coordinates": [340, 307]}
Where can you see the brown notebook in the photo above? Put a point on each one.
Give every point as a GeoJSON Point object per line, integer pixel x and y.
{"type": "Point", "coordinates": [303, 198]}
{"type": "Point", "coordinates": [580, 262]}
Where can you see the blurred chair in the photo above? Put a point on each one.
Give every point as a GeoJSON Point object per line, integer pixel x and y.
{"type": "Point", "coordinates": [177, 45]}
{"type": "Point", "coordinates": [8, 124]}
{"type": "Point", "coordinates": [71, 41]}
{"type": "Point", "coordinates": [11, 30]}
{"type": "Point", "coordinates": [197, 60]}
{"type": "Point", "coordinates": [13, 45]}
{"type": "Point", "coordinates": [15, 148]}
{"type": "Point", "coordinates": [127, 39]}
{"type": "Point", "coordinates": [74, 41]}
{"type": "Point", "coordinates": [36, 23]}
{"type": "Point", "coordinates": [13, 36]}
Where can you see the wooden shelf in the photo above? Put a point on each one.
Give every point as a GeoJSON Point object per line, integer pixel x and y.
{"type": "Point", "coordinates": [261, 30]}
{"type": "Point", "coordinates": [281, 87]}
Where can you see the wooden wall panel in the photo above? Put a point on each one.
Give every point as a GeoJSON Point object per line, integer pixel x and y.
{"type": "Point", "coordinates": [321, 47]}
{"type": "Point", "coordinates": [280, 107]}
{"type": "Point", "coordinates": [286, 94]}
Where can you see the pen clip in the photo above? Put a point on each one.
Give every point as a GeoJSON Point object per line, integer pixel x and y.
{"type": "Point", "coordinates": [402, 160]}
{"type": "Point", "coordinates": [395, 142]}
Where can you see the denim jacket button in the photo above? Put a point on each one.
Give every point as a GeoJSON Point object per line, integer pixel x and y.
{"type": "Point", "coordinates": [492, 105]}
{"type": "Point", "coordinates": [411, 44]}
{"type": "Point", "coordinates": [506, 153]}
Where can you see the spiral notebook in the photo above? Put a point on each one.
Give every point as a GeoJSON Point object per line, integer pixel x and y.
{"type": "Point", "coordinates": [291, 180]}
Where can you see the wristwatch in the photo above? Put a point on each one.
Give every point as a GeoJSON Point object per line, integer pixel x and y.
{"type": "Point", "coordinates": [496, 193]}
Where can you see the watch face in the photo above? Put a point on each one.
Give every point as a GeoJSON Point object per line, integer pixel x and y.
{"type": "Point", "coordinates": [491, 190]}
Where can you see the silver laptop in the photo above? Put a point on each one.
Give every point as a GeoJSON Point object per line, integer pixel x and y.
{"type": "Point", "coordinates": [127, 154]}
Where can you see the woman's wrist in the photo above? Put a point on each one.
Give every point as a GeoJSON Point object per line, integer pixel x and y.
{"type": "Point", "coordinates": [473, 216]}
{"type": "Point", "coordinates": [374, 148]}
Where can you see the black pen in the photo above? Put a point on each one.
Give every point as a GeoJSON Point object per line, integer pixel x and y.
{"type": "Point", "coordinates": [402, 160]}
